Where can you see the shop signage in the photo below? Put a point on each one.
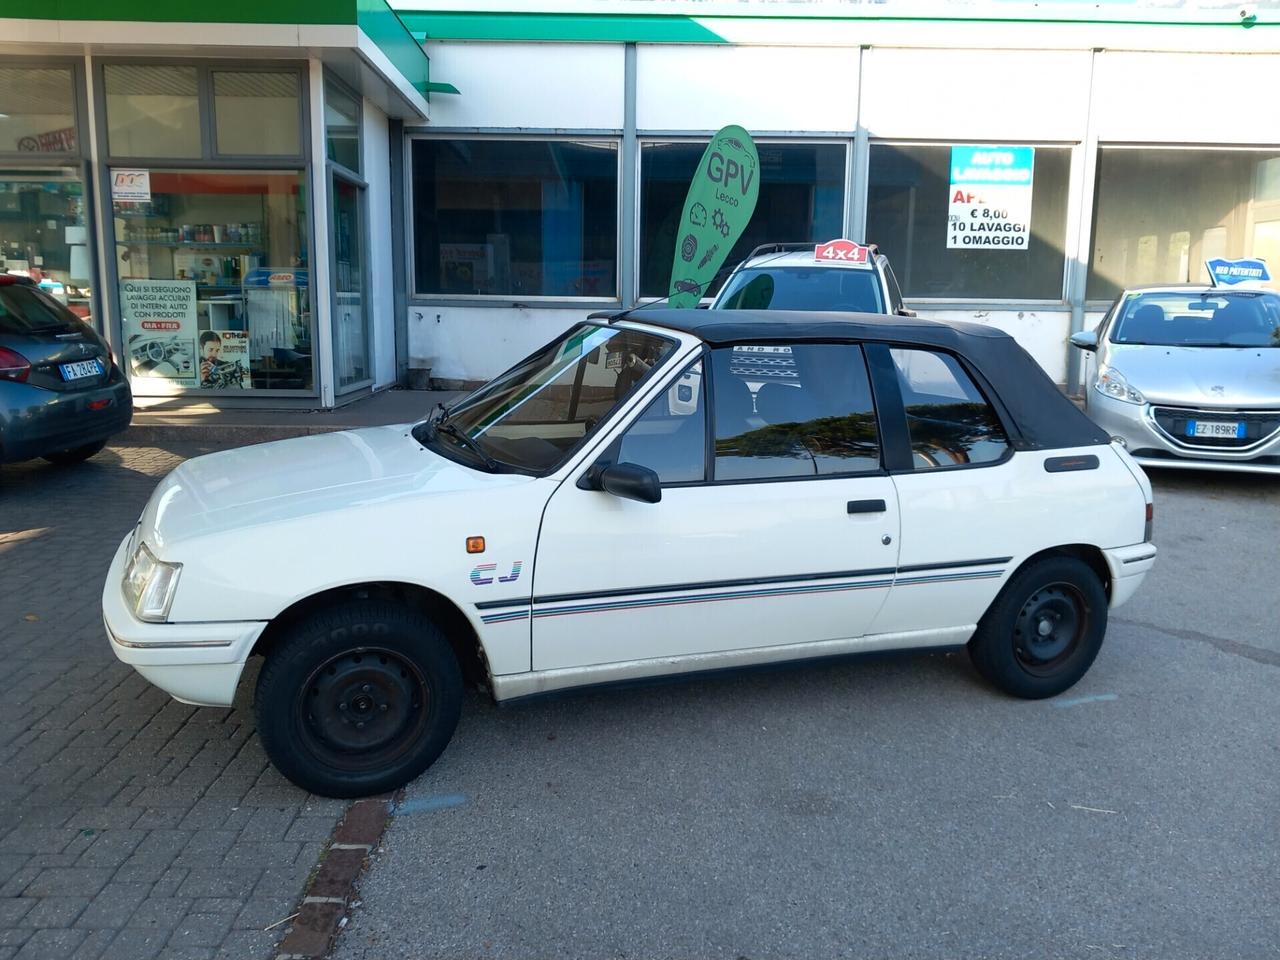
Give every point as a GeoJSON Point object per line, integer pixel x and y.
{"type": "Point", "coordinates": [716, 210]}
{"type": "Point", "coordinates": [990, 199]}
{"type": "Point", "coordinates": [1237, 272]}
{"type": "Point", "coordinates": [846, 251]}
{"type": "Point", "coordinates": [54, 141]}
{"type": "Point", "coordinates": [160, 328]}
{"type": "Point", "coordinates": [131, 186]}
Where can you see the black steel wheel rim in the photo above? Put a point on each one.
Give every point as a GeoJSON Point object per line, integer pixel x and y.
{"type": "Point", "coordinates": [1050, 628]}
{"type": "Point", "coordinates": [363, 709]}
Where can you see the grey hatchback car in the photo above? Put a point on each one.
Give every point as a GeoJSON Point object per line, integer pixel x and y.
{"type": "Point", "coordinates": [61, 394]}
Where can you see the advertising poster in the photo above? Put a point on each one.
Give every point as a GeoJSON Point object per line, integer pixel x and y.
{"type": "Point", "coordinates": [224, 360]}
{"type": "Point", "coordinates": [990, 205]}
{"type": "Point", "coordinates": [719, 204]}
{"type": "Point", "coordinates": [160, 328]}
{"type": "Point", "coordinates": [131, 186]}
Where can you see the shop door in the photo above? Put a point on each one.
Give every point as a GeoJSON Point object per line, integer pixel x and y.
{"type": "Point", "coordinates": [351, 348]}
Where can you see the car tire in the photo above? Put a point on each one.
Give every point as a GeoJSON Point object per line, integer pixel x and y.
{"type": "Point", "coordinates": [358, 699]}
{"type": "Point", "coordinates": [1044, 629]}
{"type": "Point", "coordinates": [65, 458]}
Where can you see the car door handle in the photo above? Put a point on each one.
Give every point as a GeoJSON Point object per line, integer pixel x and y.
{"type": "Point", "coordinates": [866, 506]}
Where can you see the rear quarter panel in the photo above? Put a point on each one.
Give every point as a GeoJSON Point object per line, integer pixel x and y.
{"type": "Point", "coordinates": [1007, 513]}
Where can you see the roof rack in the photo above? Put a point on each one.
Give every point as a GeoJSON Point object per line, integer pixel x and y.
{"type": "Point", "coordinates": [766, 248]}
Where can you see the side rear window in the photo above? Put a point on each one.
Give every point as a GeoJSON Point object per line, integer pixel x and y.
{"type": "Point", "coordinates": [895, 292]}
{"type": "Point", "coordinates": [792, 410]}
{"type": "Point", "coordinates": [950, 422]}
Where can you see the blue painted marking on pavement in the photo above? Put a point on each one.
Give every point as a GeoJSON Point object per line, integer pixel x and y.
{"type": "Point", "coordinates": [431, 804]}
{"type": "Point", "coordinates": [1079, 700]}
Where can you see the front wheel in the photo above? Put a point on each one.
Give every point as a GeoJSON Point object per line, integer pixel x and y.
{"type": "Point", "coordinates": [1044, 629]}
{"type": "Point", "coordinates": [359, 699]}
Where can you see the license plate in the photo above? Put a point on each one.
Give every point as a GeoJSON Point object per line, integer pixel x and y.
{"type": "Point", "coordinates": [78, 371]}
{"type": "Point", "coordinates": [1229, 431]}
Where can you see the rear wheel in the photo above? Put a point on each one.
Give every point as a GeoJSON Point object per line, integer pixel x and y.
{"type": "Point", "coordinates": [359, 699]}
{"type": "Point", "coordinates": [65, 458]}
{"type": "Point", "coordinates": [1044, 630]}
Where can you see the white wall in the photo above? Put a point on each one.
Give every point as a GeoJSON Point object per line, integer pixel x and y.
{"type": "Point", "coordinates": [969, 95]}
{"type": "Point", "coordinates": [476, 343]}
{"type": "Point", "coordinates": [1042, 332]}
{"type": "Point", "coordinates": [760, 88]}
{"type": "Point", "coordinates": [381, 296]}
{"type": "Point", "coordinates": [577, 85]}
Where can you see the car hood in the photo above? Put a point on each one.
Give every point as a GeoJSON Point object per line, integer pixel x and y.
{"type": "Point", "coordinates": [304, 477]}
{"type": "Point", "coordinates": [1201, 376]}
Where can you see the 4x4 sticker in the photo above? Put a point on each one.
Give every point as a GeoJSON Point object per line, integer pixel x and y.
{"type": "Point", "coordinates": [482, 575]}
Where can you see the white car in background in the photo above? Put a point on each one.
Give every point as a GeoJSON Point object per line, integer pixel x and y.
{"type": "Point", "coordinates": [1188, 376]}
{"type": "Point", "coordinates": [622, 504]}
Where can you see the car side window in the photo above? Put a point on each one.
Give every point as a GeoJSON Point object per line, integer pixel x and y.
{"type": "Point", "coordinates": [670, 437]}
{"type": "Point", "coordinates": [792, 410]}
{"type": "Point", "coordinates": [950, 422]}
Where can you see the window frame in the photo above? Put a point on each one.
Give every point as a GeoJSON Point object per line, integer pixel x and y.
{"type": "Point", "coordinates": [331, 81]}
{"type": "Point", "coordinates": [79, 119]}
{"type": "Point", "coordinates": [613, 137]}
{"type": "Point", "coordinates": [209, 154]}
{"type": "Point", "coordinates": [1096, 304]}
{"type": "Point", "coordinates": [1063, 302]}
{"type": "Point", "coordinates": [847, 185]}
{"type": "Point", "coordinates": [104, 213]}
{"type": "Point", "coordinates": [885, 378]}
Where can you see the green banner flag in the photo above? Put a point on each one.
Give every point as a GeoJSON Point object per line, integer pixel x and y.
{"type": "Point", "coordinates": [721, 200]}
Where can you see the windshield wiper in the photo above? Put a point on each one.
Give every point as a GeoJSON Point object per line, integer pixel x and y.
{"type": "Point", "coordinates": [491, 464]}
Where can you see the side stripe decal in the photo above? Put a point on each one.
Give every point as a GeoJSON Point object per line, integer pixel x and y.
{"type": "Point", "coordinates": [525, 612]}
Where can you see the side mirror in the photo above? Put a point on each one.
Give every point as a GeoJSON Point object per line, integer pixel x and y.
{"type": "Point", "coordinates": [631, 481]}
{"type": "Point", "coordinates": [904, 312]}
{"type": "Point", "coordinates": [1085, 340]}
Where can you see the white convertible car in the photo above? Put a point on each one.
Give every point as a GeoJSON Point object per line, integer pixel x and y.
{"type": "Point", "coordinates": [649, 494]}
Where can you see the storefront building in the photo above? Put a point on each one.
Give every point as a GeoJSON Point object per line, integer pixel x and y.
{"type": "Point", "coordinates": [299, 198]}
{"type": "Point", "coordinates": [215, 197]}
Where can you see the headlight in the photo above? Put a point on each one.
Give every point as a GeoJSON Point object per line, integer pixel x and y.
{"type": "Point", "coordinates": [1111, 383]}
{"type": "Point", "coordinates": [149, 584]}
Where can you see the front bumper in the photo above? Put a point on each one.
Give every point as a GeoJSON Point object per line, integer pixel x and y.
{"type": "Point", "coordinates": [197, 663]}
{"type": "Point", "coordinates": [1152, 447]}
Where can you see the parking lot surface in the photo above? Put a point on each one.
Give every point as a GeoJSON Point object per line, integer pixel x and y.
{"type": "Point", "coordinates": [131, 826]}
{"type": "Point", "coordinates": [881, 807]}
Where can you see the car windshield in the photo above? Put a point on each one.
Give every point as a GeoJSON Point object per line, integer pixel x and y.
{"type": "Point", "coordinates": [533, 416]}
{"type": "Point", "coordinates": [25, 309]}
{"type": "Point", "coordinates": [1236, 318]}
{"type": "Point", "coordinates": [804, 288]}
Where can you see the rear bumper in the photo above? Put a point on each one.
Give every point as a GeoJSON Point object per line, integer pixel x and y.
{"type": "Point", "coordinates": [1128, 567]}
{"type": "Point", "coordinates": [197, 663]}
{"type": "Point", "coordinates": [35, 421]}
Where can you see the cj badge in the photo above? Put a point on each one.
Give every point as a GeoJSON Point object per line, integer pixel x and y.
{"type": "Point", "coordinates": [483, 574]}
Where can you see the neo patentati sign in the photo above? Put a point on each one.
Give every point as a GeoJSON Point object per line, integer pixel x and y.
{"type": "Point", "coordinates": [990, 198]}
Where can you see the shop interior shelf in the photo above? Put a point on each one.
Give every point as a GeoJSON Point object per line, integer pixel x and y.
{"type": "Point", "coordinates": [190, 244]}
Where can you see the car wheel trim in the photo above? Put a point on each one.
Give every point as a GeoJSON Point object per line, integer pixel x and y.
{"type": "Point", "coordinates": [363, 709]}
{"type": "Point", "coordinates": [1049, 628]}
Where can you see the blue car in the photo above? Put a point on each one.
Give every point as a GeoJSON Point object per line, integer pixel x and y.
{"type": "Point", "coordinates": [62, 396]}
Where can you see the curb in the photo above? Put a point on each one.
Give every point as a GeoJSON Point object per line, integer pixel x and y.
{"type": "Point", "coordinates": [331, 888]}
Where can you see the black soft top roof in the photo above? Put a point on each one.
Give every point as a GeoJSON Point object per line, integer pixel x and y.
{"type": "Point", "coordinates": [1041, 415]}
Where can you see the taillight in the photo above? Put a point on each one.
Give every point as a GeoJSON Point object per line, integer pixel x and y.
{"type": "Point", "coordinates": [1146, 531]}
{"type": "Point", "coordinates": [13, 366]}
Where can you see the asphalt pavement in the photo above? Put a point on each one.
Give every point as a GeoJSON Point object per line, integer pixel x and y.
{"type": "Point", "coordinates": [887, 807]}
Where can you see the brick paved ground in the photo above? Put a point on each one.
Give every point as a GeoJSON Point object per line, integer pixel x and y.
{"type": "Point", "coordinates": [131, 826]}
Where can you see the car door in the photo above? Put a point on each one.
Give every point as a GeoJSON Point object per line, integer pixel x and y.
{"type": "Point", "coordinates": [777, 524]}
